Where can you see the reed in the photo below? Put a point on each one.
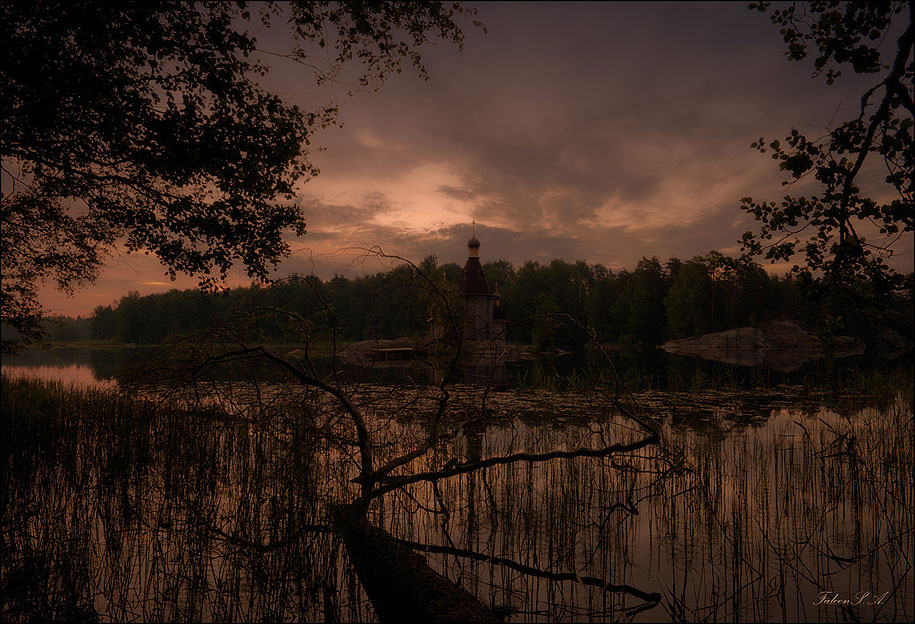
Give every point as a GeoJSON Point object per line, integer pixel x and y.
{"type": "Point", "coordinates": [119, 508]}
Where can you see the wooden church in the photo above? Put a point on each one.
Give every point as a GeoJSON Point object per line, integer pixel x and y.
{"type": "Point", "coordinates": [484, 321]}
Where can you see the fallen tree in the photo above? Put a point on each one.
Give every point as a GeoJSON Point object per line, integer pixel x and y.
{"type": "Point", "coordinates": [400, 583]}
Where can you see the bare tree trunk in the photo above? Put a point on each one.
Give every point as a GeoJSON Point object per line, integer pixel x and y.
{"type": "Point", "coordinates": [401, 585]}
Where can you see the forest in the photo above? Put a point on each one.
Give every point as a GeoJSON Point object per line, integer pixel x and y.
{"type": "Point", "coordinates": [642, 307]}
{"type": "Point", "coordinates": [251, 451]}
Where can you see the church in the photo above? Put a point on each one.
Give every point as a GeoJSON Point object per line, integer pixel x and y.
{"type": "Point", "coordinates": [484, 321]}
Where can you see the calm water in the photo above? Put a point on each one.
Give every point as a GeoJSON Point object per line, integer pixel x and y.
{"type": "Point", "coordinates": [651, 369]}
{"type": "Point", "coordinates": [776, 505]}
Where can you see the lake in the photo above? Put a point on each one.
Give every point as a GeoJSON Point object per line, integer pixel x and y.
{"type": "Point", "coordinates": [783, 502]}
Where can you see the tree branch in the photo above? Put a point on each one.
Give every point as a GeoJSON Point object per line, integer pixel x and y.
{"type": "Point", "coordinates": [650, 597]}
{"type": "Point", "coordinates": [395, 483]}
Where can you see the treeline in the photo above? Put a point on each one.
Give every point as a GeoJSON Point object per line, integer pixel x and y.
{"type": "Point", "coordinates": [648, 305]}
{"type": "Point", "coordinates": [57, 329]}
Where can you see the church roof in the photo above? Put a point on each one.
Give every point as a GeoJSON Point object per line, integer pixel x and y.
{"type": "Point", "coordinates": [473, 282]}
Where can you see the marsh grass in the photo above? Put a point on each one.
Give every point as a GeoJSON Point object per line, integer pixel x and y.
{"type": "Point", "coordinates": [134, 510]}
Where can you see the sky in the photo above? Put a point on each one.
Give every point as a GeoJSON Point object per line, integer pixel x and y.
{"type": "Point", "coordinates": [601, 132]}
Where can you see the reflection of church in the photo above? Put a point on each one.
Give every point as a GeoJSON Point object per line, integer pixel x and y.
{"type": "Point", "coordinates": [484, 321]}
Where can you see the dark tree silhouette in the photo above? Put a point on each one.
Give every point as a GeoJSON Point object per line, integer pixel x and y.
{"type": "Point", "coordinates": [145, 125]}
{"type": "Point", "coordinates": [351, 420]}
{"type": "Point", "coordinates": [844, 232]}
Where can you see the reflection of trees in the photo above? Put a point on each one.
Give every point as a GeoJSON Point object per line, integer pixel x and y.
{"type": "Point", "coordinates": [115, 363]}
{"type": "Point", "coordinates": [261, 502]}
{"type": "Point", "coordinates": [778, 514]}
{"type": "Point", "coordinates": [388, 451]}
{"type": "Point", "coordinates": [128, 510]}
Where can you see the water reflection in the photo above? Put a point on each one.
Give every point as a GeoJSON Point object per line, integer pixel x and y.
{"type": "Point", "coordinates": [81, 366]}
{"type": "Point", "coordinates": [653, 369]}
{"type": "Point", "coordinates": [753, 506]}
{"type": "Point", "coordinates": [72, 374]}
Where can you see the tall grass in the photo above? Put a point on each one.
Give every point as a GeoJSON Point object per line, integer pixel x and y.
{"type": "Point", "coordinates": [132, 510]}
{"type": "Point", "coordinates": [124, 509]}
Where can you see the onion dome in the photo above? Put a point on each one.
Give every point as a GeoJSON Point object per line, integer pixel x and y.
{"type": "Point", "coordinates": [473, 247]}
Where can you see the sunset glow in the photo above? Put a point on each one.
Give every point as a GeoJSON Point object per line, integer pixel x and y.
{"type": "Point", "coordinates": [431, 312]}
{"type": "Point", "coordinates": [601, 132]}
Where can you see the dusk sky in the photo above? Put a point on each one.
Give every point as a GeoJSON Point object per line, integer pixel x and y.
{"type": "Point", "coordinates": [600, 132]}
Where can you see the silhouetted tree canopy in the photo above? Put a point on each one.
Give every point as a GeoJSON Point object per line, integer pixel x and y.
{"type": "Point", "coordinates": [145, 125]}
{"type": "Point", "coordinates": [845, 233]}
{"type": "Point", "coordinates": [648, 305]}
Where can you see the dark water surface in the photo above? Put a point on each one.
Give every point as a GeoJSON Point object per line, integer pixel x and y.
{"type": "Point", "coordinates": [650, 369]}
{"type": "Point", "coordinates": [783, 503]}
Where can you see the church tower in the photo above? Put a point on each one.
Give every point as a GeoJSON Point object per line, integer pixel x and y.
{"type": "Point", "coordinates": [484, 320]}
{"type": "Point", "coordinates": [475, 295]}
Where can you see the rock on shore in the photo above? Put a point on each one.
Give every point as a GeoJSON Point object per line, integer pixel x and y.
{"type": "Point", "coordinates": [781, 345]}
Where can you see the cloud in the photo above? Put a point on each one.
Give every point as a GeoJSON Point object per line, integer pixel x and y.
{"type": "Point", "coordinates": [595, 131]}
{"type": "Point", "coordinates": [454, 192]}
{"type": "Point", "coordinates": [616, 118]}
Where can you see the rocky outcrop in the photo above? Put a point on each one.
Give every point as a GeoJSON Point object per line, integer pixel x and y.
{"type": "Point", "coordinates": [892, 333]}
{"type": "Point", "coordinates": [780, 346]}
{"type": "Point", "coordinates": [890, 345]}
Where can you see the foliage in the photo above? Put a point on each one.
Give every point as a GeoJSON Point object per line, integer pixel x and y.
{"type": "Point", "coordinates": [649, 305]}
{"type": "Point", "coordinates": [714, 293]}
{"type": "Point", "coordinates": [688, 302]}
{"type": "Point", "coordinates": [846, 233]}
{"type": "Point", "coordinates": [539, 289]}
{"type": "Point", "coordinates": [645, 291]}
{"type": "Point", "coordinates": [145, 126]}
{"type": "Point", "coordinates": [545, 327]}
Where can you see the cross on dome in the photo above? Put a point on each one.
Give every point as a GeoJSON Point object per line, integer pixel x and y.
{"type": "Point", "coordinates": [473, 245]}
